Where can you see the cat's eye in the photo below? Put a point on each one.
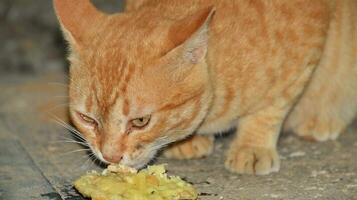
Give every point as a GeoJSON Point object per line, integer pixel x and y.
{"type": "Point", "coordinates": [88, 120]}
{"type": "Point", "coordinates": [140, 122]}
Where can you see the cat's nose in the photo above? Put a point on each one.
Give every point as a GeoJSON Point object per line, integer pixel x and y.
{"type": "Point", "coordinates": [113, 158]}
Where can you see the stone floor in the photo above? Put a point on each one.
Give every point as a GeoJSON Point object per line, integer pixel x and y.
{"type": "Point", "coordinates": [36, 163]}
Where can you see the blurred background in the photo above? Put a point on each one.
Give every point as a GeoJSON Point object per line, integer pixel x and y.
{"type": "Point", "coordinates": [30, 39]}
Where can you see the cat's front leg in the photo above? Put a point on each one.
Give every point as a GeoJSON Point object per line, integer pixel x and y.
{"type": "Point", "coordinates": [195, 146]}
{"type": "Point", "coordinates": [253, 151]}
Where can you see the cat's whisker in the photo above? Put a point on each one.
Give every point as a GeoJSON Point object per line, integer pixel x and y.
{"type": "Point", "coordinates": [91, 157]}
{"type": "Point", "coordinates": [72, 138]}
{"type": "Point", "coordinates": [74, 151]}
{"type": "Point", "coordinates": [67, 85]}
{"type": "Point", "coordinates": [80, 138]}
{"type": "Point", "coordinates": [98, 161]}
{"type": "Point", "coordinates": [81, 163]}
{"type": "Point", "coordinates": [94, 161]}
{"type": "Point", "coordinates": [58, 84]}
{"type": "Point", "coordinates": [89, 154]}
{"type": "Point", "coordinates": [61, 96]}
{"type": "Point", "coordinates": [165, 140]}
{"type": "Point", "coordinates": [83, 166]}
{"type": "Point", "coordinates": [160, 143]}
{"type": "Point", "coordinates": [71, 141]}
{"type": "Point", "coordinates": [69, 127]}
{"type": "Point", "coordinates": [57, 106]}
{"type": "Point", "coordinates": [75, 133]}
{"type": "Point", "coordinates": [159, 146]}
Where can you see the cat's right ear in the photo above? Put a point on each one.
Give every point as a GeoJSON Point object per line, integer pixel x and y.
{"type": "Point", "coordinates": [77, 17]}
{"type": "Point", "coordinates": [190, 36]}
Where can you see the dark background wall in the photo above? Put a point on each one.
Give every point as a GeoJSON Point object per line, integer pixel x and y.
{"type": "Point", "coordinates": [30, 39]}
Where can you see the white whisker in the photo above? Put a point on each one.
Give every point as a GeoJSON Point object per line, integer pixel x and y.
{"type": "Point", "coordinates": [69, 127]}
{"type": "Point", "coordinates": [83, 166]}
{"type": "Point", "coordinates": [58, 84]}
{"type": "Point", "coordinates": [60, 96]}
{"type": "Point", "coordinates": [74, 151]}
{"type": "Point", "coordinates": [67, 85]}
{"type": "Point", "coordinates": [72, 138]}
{"type": "Point", "coordinates": [57, 106]}
{"type": "Point", "coordinates": [71, 141]}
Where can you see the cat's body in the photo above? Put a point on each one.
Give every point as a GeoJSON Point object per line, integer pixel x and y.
{"type": "Point", "coordinates": [194, 68]}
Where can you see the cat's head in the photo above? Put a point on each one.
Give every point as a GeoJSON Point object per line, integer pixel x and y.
{"type": "Point", "coordinates": [137, 82]}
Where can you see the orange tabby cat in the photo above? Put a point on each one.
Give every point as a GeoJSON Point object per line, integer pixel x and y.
{"type": "Point", "coordinates": [174, 70]}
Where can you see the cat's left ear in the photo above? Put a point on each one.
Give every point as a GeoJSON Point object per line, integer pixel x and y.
{"type": "Point", "coordinates": [190, 36]}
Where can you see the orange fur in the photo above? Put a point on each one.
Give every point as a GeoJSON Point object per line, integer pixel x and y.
{"type": "Point", "coordinates": [329, 101]}
{"type": "Point", "coordinates": [202, 67]}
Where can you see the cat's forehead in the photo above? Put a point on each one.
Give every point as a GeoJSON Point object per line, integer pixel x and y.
{"type": "Point", "coordinates": [110, 78]}
{"type": "Point", "coordinates": [120, 85]}
{"type": "Point", "coordinates": [129, 38]}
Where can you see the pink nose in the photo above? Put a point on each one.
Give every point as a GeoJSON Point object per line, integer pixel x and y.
{"type": "Point", "coordinates": [113, 158]}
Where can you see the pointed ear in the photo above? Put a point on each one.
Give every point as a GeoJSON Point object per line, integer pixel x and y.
{"type": "Point", "coordinates": [190, 36]}
{"type": "Point", "coordinates": [76, 17]}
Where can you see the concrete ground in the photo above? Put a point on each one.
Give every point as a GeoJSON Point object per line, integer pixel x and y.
{"type": "Point", "coordinates": [36, 163]}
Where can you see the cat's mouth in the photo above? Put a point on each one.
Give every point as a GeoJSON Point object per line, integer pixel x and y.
{"type": "Point", "coordinates": [140, 161]}
{"type": "Point", "coordinates": [137, 162]}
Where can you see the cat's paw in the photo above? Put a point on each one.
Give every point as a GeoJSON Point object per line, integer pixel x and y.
{"type": "Point", "coordinates": [196, 146]}
{"type": "Point", "coordinates": [253, 160]}
{"type": "Point", "coordinates": [316, 129]}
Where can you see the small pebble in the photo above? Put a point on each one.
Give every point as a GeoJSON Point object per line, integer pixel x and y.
{"type": "Point", "coordinates": [297, 154]}
{"type": "Point", "coordinates": [310, 188]}
{"type": "Point", "coordinates": [210, 180]}
{"type": "Point", "coordinates": [351, 186]}
{"type": "Point", "coordinates": [316, 173]}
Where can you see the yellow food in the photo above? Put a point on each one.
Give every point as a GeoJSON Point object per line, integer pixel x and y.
{"type": "Point", "coordinates": [123, 183]}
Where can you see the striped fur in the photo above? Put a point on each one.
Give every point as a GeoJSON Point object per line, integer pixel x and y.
{"type": "Point", "coordinates": [202, 67]}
